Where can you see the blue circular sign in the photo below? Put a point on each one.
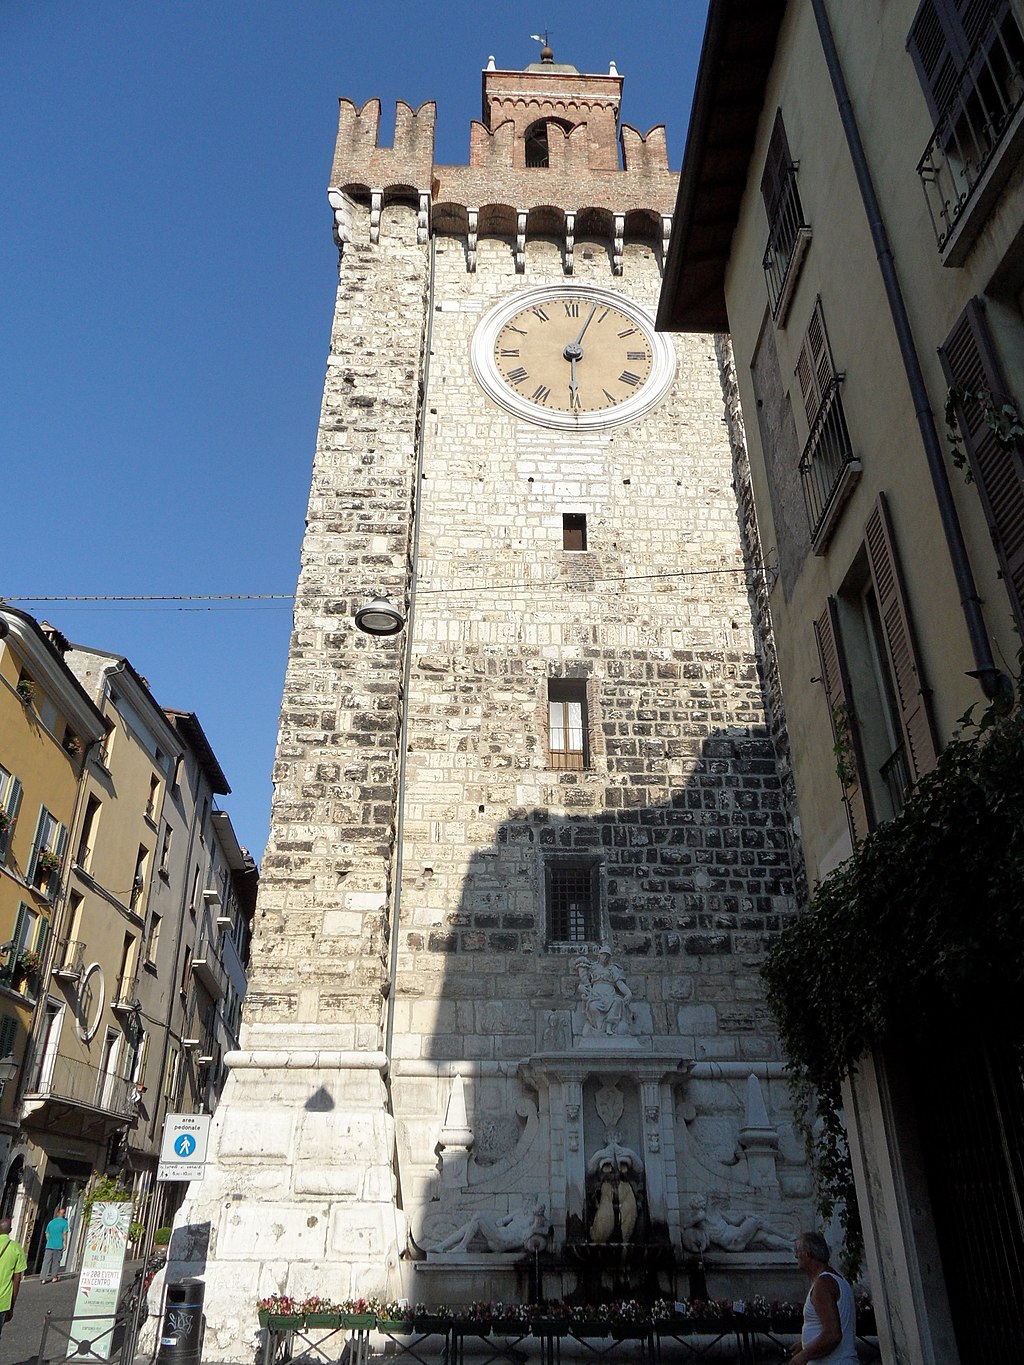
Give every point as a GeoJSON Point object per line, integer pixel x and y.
{"type": "Point", "coordinates": [185, 1145]}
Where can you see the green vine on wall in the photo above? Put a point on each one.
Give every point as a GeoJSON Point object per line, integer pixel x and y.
{"type": "Point", "coordinates": [922, 923]}
{"type": "Point", "coordinates": [1001, 418]}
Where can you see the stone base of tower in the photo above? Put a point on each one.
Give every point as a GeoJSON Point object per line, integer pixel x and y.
{"type": "Point", "coordinates": [299, 1191]}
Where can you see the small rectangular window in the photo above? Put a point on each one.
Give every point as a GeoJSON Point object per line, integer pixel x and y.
{"type": "Point", "coordinates": [567, 723]}
{"type": "Point", "coordinates": [574, 531]}
{"type": "Point", "coordinates": [573, 910]}
{"type": "Point", "coordinates": [153, 941]}
{"type": "Point", "coordinates": [87, 839]}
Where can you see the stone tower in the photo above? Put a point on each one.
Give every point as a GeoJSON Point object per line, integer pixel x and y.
{"type": "Point", "coordinates": [525, 852]}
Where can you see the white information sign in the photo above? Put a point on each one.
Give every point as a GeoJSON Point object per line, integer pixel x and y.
{"type": "Point", "coordinates": [183, 1148]}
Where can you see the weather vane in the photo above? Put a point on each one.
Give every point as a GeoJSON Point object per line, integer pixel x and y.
{"type": "Point", "coordinates": [542, 38]}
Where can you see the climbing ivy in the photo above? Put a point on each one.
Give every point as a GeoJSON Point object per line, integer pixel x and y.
{"type": "Point", "coordinates": [1001, 418]}
{"type": "Point", "coordinates": [922, 923]}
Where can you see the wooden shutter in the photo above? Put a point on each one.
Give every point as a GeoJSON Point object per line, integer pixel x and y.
{"type": "Point", "coordinates": [814, 368]}
{"type": "Point", "coordinates": [845, 731]}
{"type": "Point", "coordinates": [912, 695]}
{"type": "Point", "coordinates": [941, 39]}
{"type": "Point", "coordinates": [8, 1034]}
{"type": "Point", "coordinates": [777, 163]}
{"type": "Point", "coordinates": [969, 361]}
{"type": "Point", "coordinates": [13, 806]}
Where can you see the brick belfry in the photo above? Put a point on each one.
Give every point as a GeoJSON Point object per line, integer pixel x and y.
{"type": "Point", "coordinates": [568, 747]}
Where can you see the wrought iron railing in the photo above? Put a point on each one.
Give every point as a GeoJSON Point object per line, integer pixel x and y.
{"type": "Point", "coordinates": [72, 1078]}
{"type": "Point", "coordinates": [827, 453]}
{"type": "Point", "coordinates": [973, 123]}
{"type": "Point", "coordinates": [70, 959]}
{"type": "Point", "coordinates": [784, 233]}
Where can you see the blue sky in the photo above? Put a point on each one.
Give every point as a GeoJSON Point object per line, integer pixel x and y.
{"type": "Point", "coordinates": [166, 293]}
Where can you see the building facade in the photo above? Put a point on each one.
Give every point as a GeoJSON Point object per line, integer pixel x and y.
{"type": "Point", "coordinates": [48, 725]}
{"type": "Point", "coordinates": [129, 971]}
{"type": "Point", "coordinates": [850, 210]}
{"type": "Point", "coordinates": [529, 840]}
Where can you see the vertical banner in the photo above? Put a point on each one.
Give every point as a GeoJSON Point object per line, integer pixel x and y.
{"type": "Point", "coordinates": [106, 1240]}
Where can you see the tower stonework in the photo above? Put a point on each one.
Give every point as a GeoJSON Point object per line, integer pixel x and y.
{"type": "Point", "coordinates": [526, 854]}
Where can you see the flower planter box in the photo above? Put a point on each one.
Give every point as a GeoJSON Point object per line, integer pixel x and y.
{"type": "Point", "coordinates": [427, 1322]}
{"type": "Point", "coordinates": [509, 1327]}
{"type": "Point", "coordinates": [396, 1327]}
{"type": "Point", "coordinates": [323, 1319]}
{"type": "Point", "coordinates": [676, 1327]}
{"type": "Point", "coordinates": [550, 1327]}
{"type": "Point", "coordinates": [630, 1331]}
{"type": "Point", "coordinates": [356, 1321]}
{"type": "Point", "coordinates": [590, 1329]}
{"type": "Point", "coordinates": [282, 1322]}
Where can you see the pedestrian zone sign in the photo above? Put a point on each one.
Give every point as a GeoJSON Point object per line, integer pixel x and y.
{"type": "Point", "coordinates": [183, 1149]}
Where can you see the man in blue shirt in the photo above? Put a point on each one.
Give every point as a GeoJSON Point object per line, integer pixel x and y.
{"type": "Point", "coordinates": [56, 1235]}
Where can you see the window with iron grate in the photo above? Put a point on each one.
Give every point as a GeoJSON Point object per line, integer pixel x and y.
{"type": "Point", "coordinates": [572, 893]}
{"type": "Point", "coordinates": [567, 723]}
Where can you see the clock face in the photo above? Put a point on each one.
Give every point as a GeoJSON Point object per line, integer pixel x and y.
{"type": "Point", "coordinates": [572, 357]}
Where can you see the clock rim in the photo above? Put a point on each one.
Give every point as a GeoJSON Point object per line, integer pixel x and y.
{"type": "Point", "coordinates": [490, 379]}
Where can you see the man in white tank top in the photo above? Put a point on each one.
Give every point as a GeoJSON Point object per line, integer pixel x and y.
{"type": "Point", "coordinates": [830, 1329]}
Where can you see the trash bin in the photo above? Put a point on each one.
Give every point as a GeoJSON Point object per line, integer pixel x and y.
{"type": "Point", "coordinates": [181, 1338]}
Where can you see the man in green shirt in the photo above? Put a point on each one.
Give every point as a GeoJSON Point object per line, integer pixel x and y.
{"type": "Point", "coordinates": [12, 1266]}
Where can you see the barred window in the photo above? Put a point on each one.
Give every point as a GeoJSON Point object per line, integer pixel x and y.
{"type": "Point", "coordinates": [573, 902]}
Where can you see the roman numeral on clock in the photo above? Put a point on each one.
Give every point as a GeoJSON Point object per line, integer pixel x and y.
{"type": "Point", "coordinates": [513, 350]}
{"type": "Point", "coordinates": [518, 375]}
{"type": "Point", "coordinates": [518, 330]}
{"type": "Point", "coordinates": [539, 313]}
{"type": "Point", "coordinates": [541, 394]}
{"type": "Point", "coordinates": [627, 377]}
{"type": "Point", "coordinates": [630, 355]}
{"type": "Point", "coordinates": [628, 332]}
{"type": "Point", "coordinates": [572, 310]}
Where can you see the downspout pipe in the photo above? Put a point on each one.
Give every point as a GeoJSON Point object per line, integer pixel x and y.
{"type": "Point", "coordinates": [994, 683]}
{"type": "Point", "coordinates": [403, 739]}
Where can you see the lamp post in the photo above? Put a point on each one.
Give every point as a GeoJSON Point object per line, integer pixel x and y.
{"type": "Point", "coordinates": [8, 1069]}
{"type": "Point", "coordinates": [379, 617]}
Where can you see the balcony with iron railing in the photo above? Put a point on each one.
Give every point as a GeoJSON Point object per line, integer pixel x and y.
{"type": "Point", "coordinates": [208, 968]}
{"type": "Point", "coordinates": [978, 139]}
{"type": "Point", "coordinates": [788, 239]}
{"type": "Point", "coordinates": [74, 1081]}
{"type": "Point", "coordinates": [829, 471]}
{"type": "Point", "coordinates": [70, 961]}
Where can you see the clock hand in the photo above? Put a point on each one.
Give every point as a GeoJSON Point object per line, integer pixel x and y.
{"type": "Point", "coordinates": [573, 386]}
{"type": "Point", "coordinates": [593, 310]}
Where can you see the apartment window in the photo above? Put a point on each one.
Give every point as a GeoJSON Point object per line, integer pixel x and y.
{"type": "Point", "coordinates": [139, 879]}
{"type": "Point", "coordinates": [788, 234]}
{"type": "Point", "coordinates": [572, 901]}
{"type": "Point", "coordinates": [126, 970]}
{"type": "Point", "coordinates": [165, 849]}
{"type": "Point", "coordinates": [875, 690]}
{"type": "Point", "coordinates": [973, 369]}
{"type": "Point", "coordinates": [8, 1037]}
{"type": "Point", "coordinates": [48, 850]}
{"type": "Point", "coordinates": [10, 805]}
{"type": "Point", "coordinates": [186, 971]}
{"type": "Point", "coordinates": [574, 531]}
{"type": "Point", "coordinates": [153, 800]}
{"type": "Point", "coordinates": [87, 841]}
{"type": "Point", "coordinates": [828, 470]}
{"type": "Point", "coordinates": [171, 1075]}
{"type": "Point", "coordinates": [153, 940]}
{"type": "Point", "coordinates": [194, 898]}
{"type": "Point", "coordinates": [969, 58]}
{"type": "Point", "coordinates": [106, 747]}
{"type": "Point", "coordinates": [567, 723]}
{"type": "Point", "coordinates": [203, 818]}
{"type": "Point", "coordinates": [28, 942]}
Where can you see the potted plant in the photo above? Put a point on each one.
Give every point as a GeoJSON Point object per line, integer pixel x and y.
{"type": "Point", "coordinates": [357, 1314]}
{"type": "Point", "coordinates": [279, 1312]}
{"type": "Point", "coordinates": [29, 963]}
{"type": "Point", "coordinates": [47, 861]}
{"type": "Point", "coordinates": [73, 745]}
{"type": "Point", "coordinates": [437, 1319]}
{"type": "Point", "coordinates": [26, 690]}
{"type": "Point", "coordinates": [320, 1312]}
{"type": "Point", "coordinates": [395, 1317]}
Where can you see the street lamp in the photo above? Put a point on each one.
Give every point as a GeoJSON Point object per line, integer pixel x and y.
{"type": "Point", "coordinates": [379, 617]}
{"type": "Point", "coordinates": [8, 1069]}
